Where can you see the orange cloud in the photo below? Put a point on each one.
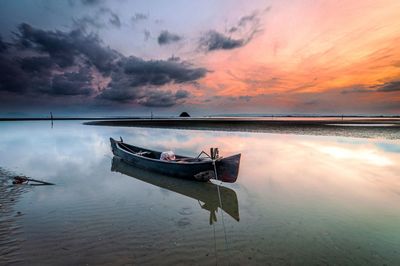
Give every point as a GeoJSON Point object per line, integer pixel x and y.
{"type": "Point", "coordinates": [307, 48]}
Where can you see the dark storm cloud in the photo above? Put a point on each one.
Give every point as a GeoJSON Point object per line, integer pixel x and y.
{"type": "Point", "coordinates": [159, 72]}
{"type": "Point", "coordinates": [51, 52]}
{"type": "Point", "coordinates": [167, 37]}
{"type": "Point", "coordinates": [64, 47]}
{"type": "Point", "coordinates": [135, 80]}
{"type": "Point", "coordinates": [145, 96]}
{"type": "Point", "coordinates": [120, 88]}
{"type": "Point", "coordinates": [390, 86]}
{"type": "Point", "coordinates": [64, 64]}
{"type": "Point", "coordinates": [32, 76]}
{"type": "Point", "coordinates": [142, 95]}
{"type": "Point", "coordinates": [57, 44]}
{"type": "Point", "coordinates": [181, 94]}
{"type": "Point", "coordinates": [3, 46]}
{"type": "Point", "coordinates": [158, 98]}
{"type": "Point", "coordinates": [36, 64]}
{"type": "Point", "coordinates": [236, 36]}
{"type": "Point", "coordinates": [12, 77]}
{"type": "Point", "coordinates": [71, 83]}
{"type": "Point", "coordinates": [214, 40]}
{"type": "Point", "coordinates": [118, 95]}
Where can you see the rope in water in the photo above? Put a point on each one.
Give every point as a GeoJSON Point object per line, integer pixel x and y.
{"type": "Point", "coordinates": [215, 246]}
{"type": "Point", "coordinates": [220, 204]}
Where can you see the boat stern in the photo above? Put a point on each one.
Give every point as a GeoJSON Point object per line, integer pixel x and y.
{"type": "Point", "coordinates": [228, 168]}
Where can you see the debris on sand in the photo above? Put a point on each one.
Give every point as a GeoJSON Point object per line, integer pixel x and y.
{"type": "Point", "coordinates": [19, 180]}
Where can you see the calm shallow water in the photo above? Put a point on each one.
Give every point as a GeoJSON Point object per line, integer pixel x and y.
{"type": "Point", "coordinates": [298, 200]}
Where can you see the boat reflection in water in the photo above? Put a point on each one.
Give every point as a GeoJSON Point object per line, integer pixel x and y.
{"type": "Point", "coordinates": [207, 193]}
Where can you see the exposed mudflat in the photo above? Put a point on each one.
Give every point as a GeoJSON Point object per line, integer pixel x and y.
{"type": "Point", "coordinates": [358, 128]}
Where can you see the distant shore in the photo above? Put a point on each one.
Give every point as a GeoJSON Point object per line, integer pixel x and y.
{"type": "Point", "coordinates": [388, 128]}
{"type": "Point", "coordinates": [210, 118]}
{"type": "Point", "coordinates": [61, 118]}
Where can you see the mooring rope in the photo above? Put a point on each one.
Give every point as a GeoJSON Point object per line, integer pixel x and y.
{"type": "Point", "coordinates": [220, 204]}
{"type": "Point", "coordinates": [215, 246]}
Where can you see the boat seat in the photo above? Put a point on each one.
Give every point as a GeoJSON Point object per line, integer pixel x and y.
{"type": "Point", "coordinates": [143, 153]}
{"type": "Point", "coordinates": [188, 160]}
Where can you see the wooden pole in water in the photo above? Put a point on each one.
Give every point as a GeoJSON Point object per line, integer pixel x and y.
{"type": "Point", "coordinates": [51, 117]}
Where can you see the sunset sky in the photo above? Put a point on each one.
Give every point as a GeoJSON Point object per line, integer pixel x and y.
{"type": "Point", "coordinates": [204, 57]}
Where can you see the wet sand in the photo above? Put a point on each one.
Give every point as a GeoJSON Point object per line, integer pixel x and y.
{"type": "Point", "coordinates": [388, 128]}
{"type": "Point", "coordinates": [10, 229]}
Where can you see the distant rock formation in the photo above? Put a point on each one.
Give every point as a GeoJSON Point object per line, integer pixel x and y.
{"type": "Point", "coordinates": [184, 114]}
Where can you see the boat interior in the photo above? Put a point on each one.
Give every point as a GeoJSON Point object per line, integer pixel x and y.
{"type": "Point", "coordinates": [155, 154]}
{"type": "Point", "coordinates": [139, 151]}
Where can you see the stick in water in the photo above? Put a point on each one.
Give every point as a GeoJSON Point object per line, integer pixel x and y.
{"type": "Point", "coordinates": [24, 179]}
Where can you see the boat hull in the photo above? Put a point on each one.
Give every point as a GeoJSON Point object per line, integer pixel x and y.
{"type": "Point", "coordinates": [227, 168]}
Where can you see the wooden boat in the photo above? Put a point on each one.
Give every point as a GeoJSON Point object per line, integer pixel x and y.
{"type": "Point", "coordinates": [206, 193]}
{"type": "Point", "coordinates": [200, 169]}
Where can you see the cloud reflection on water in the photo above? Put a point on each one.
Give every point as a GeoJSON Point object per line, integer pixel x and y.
{"type": "Point", "coordinates": [317, 187]}
{"type": "Point", "coordinates": [294, 162]}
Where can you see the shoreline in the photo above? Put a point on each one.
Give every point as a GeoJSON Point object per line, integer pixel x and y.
{"type": "Point", "coordinates": [387, 127]}
{"type": "Point", "coordinates": [210, 118]}
{"type": "Point", "coordinates": [4, 119]}
{"type": "Point", "coordinates": [364, 128]}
